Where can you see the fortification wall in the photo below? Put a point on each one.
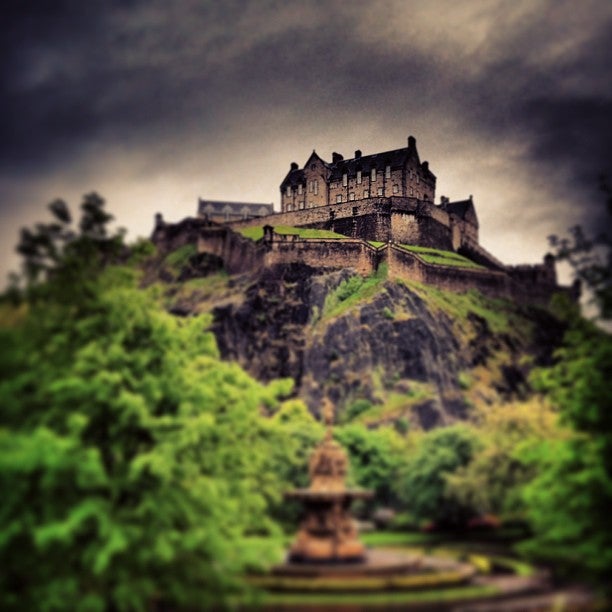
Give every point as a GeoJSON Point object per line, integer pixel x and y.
{"type": "Point", "coordinates": [328, 253]}
{"type": "Point", "coordinates": [523, 284]}
{"type": "Point", "coordinates": [408, 266]}
{"type": "Point", "coordinates": [312, 217]}
{"type": "Point", "coordinates": [239, 254]}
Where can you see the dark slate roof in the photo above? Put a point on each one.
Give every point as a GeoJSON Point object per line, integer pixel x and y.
{"type": "Point", "coordinates": [365, 163]}
{"type": "Point", "coordinates": [396, 159]}
{"type": "Point", "coordinates": [253, 209]}
{"type": "Point", "coordinates": [461, 208]}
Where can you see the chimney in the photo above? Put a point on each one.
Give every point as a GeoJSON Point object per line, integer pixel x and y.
{"type": "Point", "coordinates": [294, 166]}
{"type": "Point", "coordinates": [357, 154]}
{"type": "Point", "coordinates": [336, 157]}
{"type": "Point", "coordinates": [411, 142]}
{"type": "Point", "coordinates": [425, 166]}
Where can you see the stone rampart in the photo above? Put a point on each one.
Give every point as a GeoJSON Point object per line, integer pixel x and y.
{"type": "Point", "coordinates": [323, 253]}
{"type": "Point", "coordinates": [409, 266]}
{"type": "Point", "coordinates": [522, 284]}
{"type": "Point", "coordinates": [239, 254]}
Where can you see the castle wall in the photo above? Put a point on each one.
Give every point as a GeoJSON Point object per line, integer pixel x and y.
{"type": "Point", "coordinates": [408, 266]}
{"type": "Point", "coordinates": [522, 284]}
{"type": "Point", "coordinates": [328, 253]}
{"type": "Point", "coordinates": [239, 254]}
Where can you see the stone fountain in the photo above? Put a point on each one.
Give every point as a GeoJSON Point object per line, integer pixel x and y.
{"type": "Point", "coordinates": [327, 533]}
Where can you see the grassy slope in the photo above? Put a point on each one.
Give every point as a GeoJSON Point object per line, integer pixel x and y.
{"type": "Point", "coordinates": [256, 233]}
{"type": "Point", "coordinates": [442, 258]}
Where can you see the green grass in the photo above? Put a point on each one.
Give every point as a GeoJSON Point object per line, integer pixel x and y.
{"type": "Point", "coordinates": [383, 598]}
{"type": "Point", "coordinates": [375, 243]}
{"type": "Point", "coordinates": [256, 233]}
{"type": "Point", "coordinates": [353, 291]}
{"type": "Point", "coordinates": [400, 538]}
{"type": "Point", "coordinates": [179, 257]}
{"type": "Point", "coordinates": [498, 313]}
{"type": "Point", "coordinates": [394, 404]}
{"type": "Point", "coordinates": [442, 258]}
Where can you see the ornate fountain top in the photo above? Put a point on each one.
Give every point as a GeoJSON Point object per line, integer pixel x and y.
{"type": "Point", "coordinates": [328, 412]}
{"type": "Point", "coordinates": [328, 464]}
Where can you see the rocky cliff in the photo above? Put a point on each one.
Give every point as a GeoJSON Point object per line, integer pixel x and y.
{"type": "Point", "coordinates": [383, 351]}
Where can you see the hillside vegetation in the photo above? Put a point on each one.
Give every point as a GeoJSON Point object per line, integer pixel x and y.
{"type": "Point", "coordinates": [143, 454]}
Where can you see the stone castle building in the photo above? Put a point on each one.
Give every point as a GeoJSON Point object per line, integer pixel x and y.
{"type": "Point", "coordinates": [379, 204]}
{"type": "Point", "coordinates": [393, 173]}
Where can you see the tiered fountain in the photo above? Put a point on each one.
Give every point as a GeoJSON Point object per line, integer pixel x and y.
{"type": "Point", "coordinates": [327, 533]}
{"type": "Point", "coordinates": [327, 541]}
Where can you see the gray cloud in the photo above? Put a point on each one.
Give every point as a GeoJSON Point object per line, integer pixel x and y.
{"type": "Point", "coordinates": [190, 88]}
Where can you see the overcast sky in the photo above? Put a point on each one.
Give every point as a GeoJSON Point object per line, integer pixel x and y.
{"type": "Point", "coordinates": [154, 103]}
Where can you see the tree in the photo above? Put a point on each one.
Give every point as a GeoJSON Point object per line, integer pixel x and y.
{"type": "Point", "coordinates": [569, 501]}
{"type": "Point", "coordinates": [591, 257]}
{"type": "Point", "coordinates": [493, 480]}
{"type": "Point", "coordinates": [423, 484]}
{"type": "Point", "coordinates": [376, 457]}
{"type": "Point", "coordinates": [133, 461]}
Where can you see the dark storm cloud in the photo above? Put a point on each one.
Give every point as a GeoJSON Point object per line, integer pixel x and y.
{"type": "Point", "coordinates": [140, 73]}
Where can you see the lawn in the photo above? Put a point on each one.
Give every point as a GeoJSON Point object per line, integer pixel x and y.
{"type": "Point", "coordinates": [256, 233]}
{"type": "Point", "coordinates": [442, 258]}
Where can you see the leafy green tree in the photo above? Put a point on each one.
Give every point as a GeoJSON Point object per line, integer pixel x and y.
{"type": "Point", "coordinates": [133, 461]}
{"type": "Point", "coordinates": [376, 458]}
{"type": "Point", "coordinates": [493, 480]}
{"type": "Point", "coordinates": [423, 483]}
{"type": "Point", "coordinates": [569, 501]}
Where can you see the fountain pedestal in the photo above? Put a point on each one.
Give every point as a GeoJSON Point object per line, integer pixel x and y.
{"type": "Point", "coordinates": [327, 533]}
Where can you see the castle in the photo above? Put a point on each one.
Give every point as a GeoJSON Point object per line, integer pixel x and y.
{"type": "Point", "coordinates": [375, 209]}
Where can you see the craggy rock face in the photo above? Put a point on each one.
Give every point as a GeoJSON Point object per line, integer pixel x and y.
{"type": "Point", "coordinates": [390, 343]}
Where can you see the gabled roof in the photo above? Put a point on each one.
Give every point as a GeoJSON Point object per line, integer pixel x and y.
{"type": "Point", "coordinates": [365, 163]}
{"type": "Point", "coordinates": [396, 159]}
{"type": "Point", "coordinates": [296, 175]}
{"type": "Point", "coordinates": [464, 209]}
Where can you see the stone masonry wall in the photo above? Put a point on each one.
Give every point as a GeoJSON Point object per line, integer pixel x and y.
{"type": "Point", "coordinates": [327, 253]}
{"type": "Point", "coordinates": [408, 266]}
{"type": "Point", "coordinates": [243, 255]}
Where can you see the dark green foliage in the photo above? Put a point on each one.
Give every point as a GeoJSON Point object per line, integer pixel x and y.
{"type": "Point", "coordinates": [570, 500]}
{"type": "Point", "coordinates": [133, 462]}
{"type": "Point", "coordinates": [376, 458]}
{"type": "Point", "coordinates": [423, 485]}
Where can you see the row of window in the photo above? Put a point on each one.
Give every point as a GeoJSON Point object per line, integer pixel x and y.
{"type": "Point", "coordinates": [313, 185]}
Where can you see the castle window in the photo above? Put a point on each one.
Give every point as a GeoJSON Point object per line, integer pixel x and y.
{"type": "Point", "coordinates": [301, 204]}
{"type": "Point", "coordinates": [373, 174]}
{"type": "Point", "coordinates": [366, 193]}
{"type": "Point", "coordinates": [359, 177]}
{"type": "Point", "coordinates": [310, 204]}
{"type": "Point", "coordinates": [380, 191]}
{"type": "Point", "coordinates": [309, 186]}
{"type": "Point", "coordinates": [395, 189]}
{"type": "Point", "coordinates": [344, 180]}
{"type": "Point", "coordinates": [411, 191]}
{"type": "Point", "coordinates": [351, 196]}
{"type": "Point", "coordinates": [339, 199]}
{"type": "Point", "coordinates": [289, 190]}
{"type": "Point", "coordinates": [300, 189]}
{"type": "Point", "coordinates": [316, 186]}
{"type": "Point", "coordinates": [418, 179]}
{"type": "Point", "coordinates": [355, 211]}
{"type": "Point", "coordinates": [387, 171]}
